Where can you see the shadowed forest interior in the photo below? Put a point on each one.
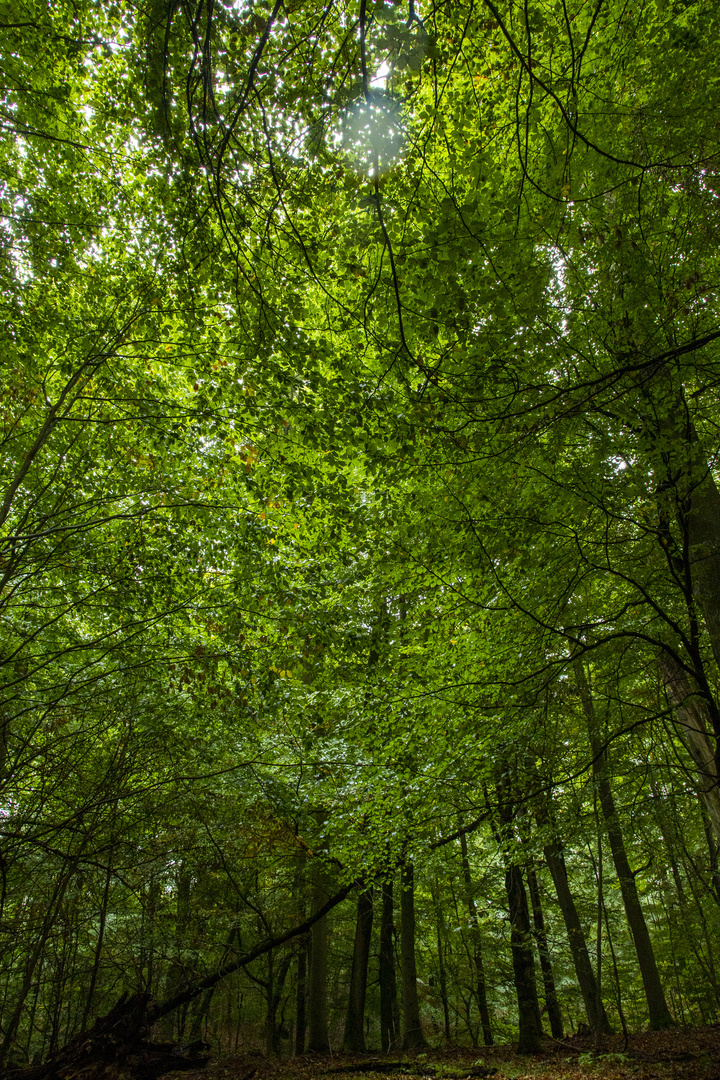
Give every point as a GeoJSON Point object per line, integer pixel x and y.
{"type": "Point", "coordinates": [359, 524]}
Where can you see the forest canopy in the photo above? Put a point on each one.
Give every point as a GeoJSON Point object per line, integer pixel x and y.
{"type": "Point", "coordinates": [359, 524]}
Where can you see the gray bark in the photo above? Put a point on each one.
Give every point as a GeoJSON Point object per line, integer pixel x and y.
{"type": "Point", "coordinates": [578, 947]}
{"type": "Point", "coordinates": [551, 998]}
{"type": "Point", "coordinates": [693, 726]}
{"type": "Point", "coordinates": [354, 1038]}
{"type": "Point", "coordinates": [412, 1028]}
{"type": "Point", "coordinates": [529, 1022]}
{"type": "Point", "coordinates": [389, 1013]}
{"type": "Point", "coordinates": [300, 998]}
{"type": "Point", "coordinates": [658, 1012]}
{"type": "Point", "coordinates": [480, 984]}
{"type": "Point", "coordinates": [317, 1000]}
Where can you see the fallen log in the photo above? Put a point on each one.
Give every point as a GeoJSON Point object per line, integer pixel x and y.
{"type": "Point", "coordinates": [116, 1047]}
{"type": "Point", "coordinates": [409, 1068]}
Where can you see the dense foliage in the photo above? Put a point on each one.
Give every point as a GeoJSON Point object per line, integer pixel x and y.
{"type": "Point", "coordinates": [359, 519]}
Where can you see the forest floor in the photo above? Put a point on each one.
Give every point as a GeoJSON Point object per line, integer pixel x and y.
{"type": "Point", "coordinates": [679, 1054]}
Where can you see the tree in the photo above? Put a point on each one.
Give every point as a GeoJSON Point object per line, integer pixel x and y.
{"type": "Point", "coordinates": [347, 416]}
{"type": "Point", "coordinates": [354, 1037]}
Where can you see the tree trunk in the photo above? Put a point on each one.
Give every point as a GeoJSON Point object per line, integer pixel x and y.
{"type": "Point", "coordinates": [480, 985]}
{"type": "Point", "coordinates": [551, 999]}
{"type": "Point", "coordinates": [200, 1015]}
{"type": "Point", "coordinates": [412, 1028]}
{"type": "Point", "coordinates": [300, 998]}
{"type": "Point", "coordinates": [275, 987]}
{"type": "Point", "coordinates": [389, 1025]}
{"type": "Point", "coordinates": [442, 971]}
{"type": "Point", "coordinates": [99, 943]}
{"type": "Point", "coordinates": [713, 851]}
{"type": "Point", "coordinates": [120, 1032]}
{"type": "Point", "coordinates": [703, 537]}
{"type": "Point", "coordinates": [529, 1022]}
{"type": "Point", "coordinates": [658, 1012]}
{"type": "Point", "coordinates": [692, 726]}
{"type": "Point", "coordinates": [354, 1038]}
{"type": "Point", "coordinates": [176, 978]}
{"type": "Point", "coordinates": [270, 1005]}
{"type": "Point", "coordinates": [317, 1010]}
{"type": "Point", "coordinates": [48, 923]}
{"type": "Point", "coordinates": [578, 947]}
{"type": "Point", "coordinates": [686, 495]}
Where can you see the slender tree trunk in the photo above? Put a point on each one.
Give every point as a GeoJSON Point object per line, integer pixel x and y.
{"type": "Point", "coordinates": [176, 978]}
{"type": "Point", "coordinates": [270, 1005]}
{"type": "Point", "coordinates": [480, 984]}
{"type": "Point", "coordinates": [200, 1014]}
{"type": "Point", "coordinates": [658, 1012]}
{"type": "Point", "coordinates": [60, 974]}
{"type": "Point", "coordinates": [599, 918]}
{"type": "Point", "coordinates": [412, 1028]}
{"type": "Point", "coordinates": [551, 999]}
{"type": "Point", "coordinates": [202, 1006]}
{"type": "Point", "coordinates": [442, 972]}
{"type": "Point", "coordinates": [98, 946]}
{"type": "Point", "coordinates": [616, 977]}
{"type": "Point", "coordinates": [300, 997]}
{"type": "Point", "coordinates": [713, 851]}
{"type": "Point", "coordinates": [275, 987]}
{"type": "Point", "coordinates": [149, 934]}
{"type": "Point", "coordinates": [389, 1026]}
{"type": "Point", "coordinates": [354, 1038]}
{"type": "Point", "coordinates": [33, 1010]}
{"type": "Point", "coordinates": [36, 953]}
{"type": "Point", "coordinates": [578, 946]}
{"type": "Point", "coordinates": [317, 1005]}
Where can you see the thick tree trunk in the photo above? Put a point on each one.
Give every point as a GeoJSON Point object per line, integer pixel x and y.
{"type": "Point", "coordinates": [702, 521]}
{"type": "Point", "coordinates": [658, 1012]}
{"type": "Point", "coordinates": [686, 494]}
{"type": "Point", "coordinates": [412, 1028]}
{"type": "Point", "coordinates": [693, 724]}
{"type": "Point", "coordinates": [354, 1038]}
{"type": "Point", "coordinates": [389, 1013]}
{"type": "Point", "coordinates": [551, 998]}
{"type": "Point", "coordinates": [578, 946]}
{"type": "Point", "coordinates": [317, 1005]}
{"type": "Point", "coordinates": [529, 1022]}
{"type": "Point", "coordinates": [480, 984]}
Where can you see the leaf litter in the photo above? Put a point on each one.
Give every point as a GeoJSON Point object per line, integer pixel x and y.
{"type": "Point", "coordinates": [681, 1053]}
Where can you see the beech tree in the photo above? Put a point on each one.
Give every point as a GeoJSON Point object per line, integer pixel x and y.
{"type": "Point", "coordinates": [359, 520]}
